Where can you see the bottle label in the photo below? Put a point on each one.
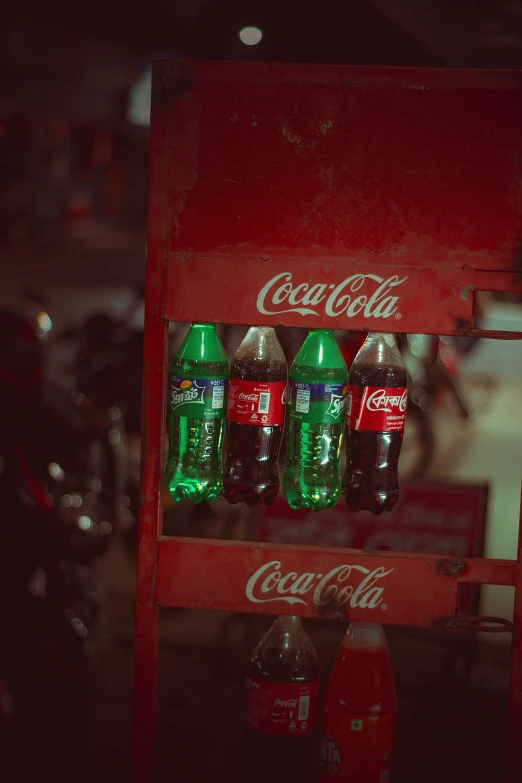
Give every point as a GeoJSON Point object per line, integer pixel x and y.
{"type": "Point", "coordinates": [317, 403]}
{"type": "Point", "coordinates": [255, 402]}
{"type": "Point", "coordinates": [356, 749]}
{"type": "Point", "coordinates": [198, 398]}
{"type": "Point", "coordinates": [376, 408]}
{"type": "Point", "coordinates": [285, 709]}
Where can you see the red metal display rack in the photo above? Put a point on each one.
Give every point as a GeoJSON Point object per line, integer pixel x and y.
{"type": "Point", "coordinates": [319, 196]}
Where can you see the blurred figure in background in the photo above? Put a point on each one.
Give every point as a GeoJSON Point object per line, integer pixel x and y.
{"type": "Point", "coordinates": [46, 710]}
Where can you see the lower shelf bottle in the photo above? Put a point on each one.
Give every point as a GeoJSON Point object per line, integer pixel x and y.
{"type": "Point", "coordinates": [359, 710]}
{"type": "Point", "coordinates": [280, 742]}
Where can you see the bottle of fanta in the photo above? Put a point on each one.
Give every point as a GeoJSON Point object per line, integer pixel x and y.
{"type": "Point", "coordinates": [359, 710]}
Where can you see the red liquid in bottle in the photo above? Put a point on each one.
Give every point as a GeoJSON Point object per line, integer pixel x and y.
{"type": "Point", "coordinates": [359, 710]}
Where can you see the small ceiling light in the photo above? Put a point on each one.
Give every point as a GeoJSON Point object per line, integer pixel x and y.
{"type": "Point", "coordinates": [250, 36]}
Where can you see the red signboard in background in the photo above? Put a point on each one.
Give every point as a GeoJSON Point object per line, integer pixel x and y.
{"type": "Point", "coordinates": [430, 518]}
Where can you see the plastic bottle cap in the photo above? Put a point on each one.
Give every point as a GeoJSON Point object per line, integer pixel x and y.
{"type": "Point", "coordinates": [366, 636]}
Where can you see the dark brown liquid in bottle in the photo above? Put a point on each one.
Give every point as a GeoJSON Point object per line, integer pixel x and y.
{"type": "Point", "coordinates": [371, 480]}
{"type": "Point", "coordinates": [269, 758]}
{"type": "Point", "coordinates": [251, 472]}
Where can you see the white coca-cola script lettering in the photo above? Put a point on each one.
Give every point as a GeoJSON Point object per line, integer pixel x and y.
{"type": "Point", "coordinates": [353, 585]}
{"type": "Point", "coordinates": [380, 401]}
{"type": "Point", "coordinates": [287, 703]}
{"type": "Point", "coordinates": [366, 295]}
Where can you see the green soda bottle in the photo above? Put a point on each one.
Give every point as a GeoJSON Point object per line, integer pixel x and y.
{"type": "Point", "coordinates": [315, 423]}
{"type": "Point", "coordinates": [197, 408]}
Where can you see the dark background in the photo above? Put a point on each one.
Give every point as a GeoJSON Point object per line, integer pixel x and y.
{"type": "Point", "coordinates": [73, 200]}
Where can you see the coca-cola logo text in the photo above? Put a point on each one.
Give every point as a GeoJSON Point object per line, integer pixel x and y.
{"type": "Point", "coordinates": [287, 703]}
{"type": "Point", "coordinates": [250, 397]}
{"type": "Point", "coordinates": [380, 401]}
{"type": "Point", "coordinates": [366, 295]}
{"type": "Point", "coordinates": [353, 585]}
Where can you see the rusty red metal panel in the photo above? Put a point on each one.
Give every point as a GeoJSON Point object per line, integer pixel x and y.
{"type": "Point", "coordinates": [386, 166]}
{"type": "Point", "coordinates": [489, 571]}
{"type": "Point", "coordinates": [396, 190]}
{"type": "Point", "coordinates": [149, 523]}
{"type": "Point", "coordinates": [324, 293]}
{"type": "Point", "coordinates": [312, 582]}
{"type": "Point", "coordinates": [439, 517]}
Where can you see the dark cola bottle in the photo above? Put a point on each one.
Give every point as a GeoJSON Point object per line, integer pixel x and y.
{"type": "Point", "coordinates": [375, 414]}
{"type": "Point", "coordinates": [280, 742]}
{"type": "Point", "coordinates": [255, 418]}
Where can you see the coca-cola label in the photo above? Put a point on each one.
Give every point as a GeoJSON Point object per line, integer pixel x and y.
{"type": "Point", "coordinates": [282, 708]}
{"type": "Point", "coordinates": [370, 296]}
{"type": "Point", "coordinates": [376, 408]}
{"type": "Point", "coordinates": [317, 403]}
{"type": "Point", "coordinates": [198, 398]}
{"type": "Point", "coordinates": [356, 748]}
{"type": "Point", "coordinates": [352, 585]}
{"type": "Point", "coordinates": [255, 402]}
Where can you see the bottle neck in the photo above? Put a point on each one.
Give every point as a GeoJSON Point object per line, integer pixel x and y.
{"type": "Point", "coordinates": [288, 622]}
{"type": "Point", "coordinates": [365, 636]}
{"type": "Point", "coordinates": [202, 344]}
{"type": "Point", "coordinates": [261, 332]}
{"type": "Point", "coordinates": [321, 352]}
{"type": "Point", "coordinates": [387, 337]}
{"type": "Point", "coordinates": [260, 344]}
{"type": "Point", "coordinates": [383, 347]}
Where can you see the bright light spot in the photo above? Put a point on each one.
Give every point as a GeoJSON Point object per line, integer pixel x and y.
{"type": "Point", "coordinates": [55, 471]}
{"type": "Point", "coordinates": [114, 437]}
{"type": "Point", "coordinates": [44, 321]}
{"type": "Point", "coordinates": [250, 36]}
{"type": "Point", "coordinates": [138, 110]}
{"type": "Point", "coordinates": [84, 523]}
{"type": "Point", "coordinates": [76, 501]}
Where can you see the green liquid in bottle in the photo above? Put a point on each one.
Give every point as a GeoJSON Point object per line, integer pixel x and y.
{"type": "Point", "coordinates": [315, 423]}
{"type": "Point", "coordinates": [197, 410]}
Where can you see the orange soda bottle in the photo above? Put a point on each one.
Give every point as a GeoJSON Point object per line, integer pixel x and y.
{"type": "Point", "coordinates": [359, 710]}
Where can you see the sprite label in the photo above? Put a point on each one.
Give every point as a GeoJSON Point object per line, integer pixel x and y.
{"type": "Point", "coordinates": [198, 398]}
{"type": "Point", "coordinates": [317, 403]}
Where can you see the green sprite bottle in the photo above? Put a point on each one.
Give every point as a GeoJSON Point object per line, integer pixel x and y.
{"type": "Point", "coordinates": [315, 423]}
{"type": "Point", "coordinates": [197, 408]}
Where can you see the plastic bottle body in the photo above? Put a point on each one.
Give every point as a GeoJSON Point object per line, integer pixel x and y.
{"type": "Point", "coordinates": [376, 409]}
{"type": "Point", "coordinates": [359, 710]}
{"type": "Point", "coordinates": [255, 419]}
{"type": "Point", "coordinates": [197, 405]}
{"type": "Point", "coordinates": [280, 742]}
{"type": "Point", "coordinates": [315, 423]}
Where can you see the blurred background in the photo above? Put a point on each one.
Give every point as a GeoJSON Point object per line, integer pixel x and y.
{"type": "Point", "coordinates": [74, 126]}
